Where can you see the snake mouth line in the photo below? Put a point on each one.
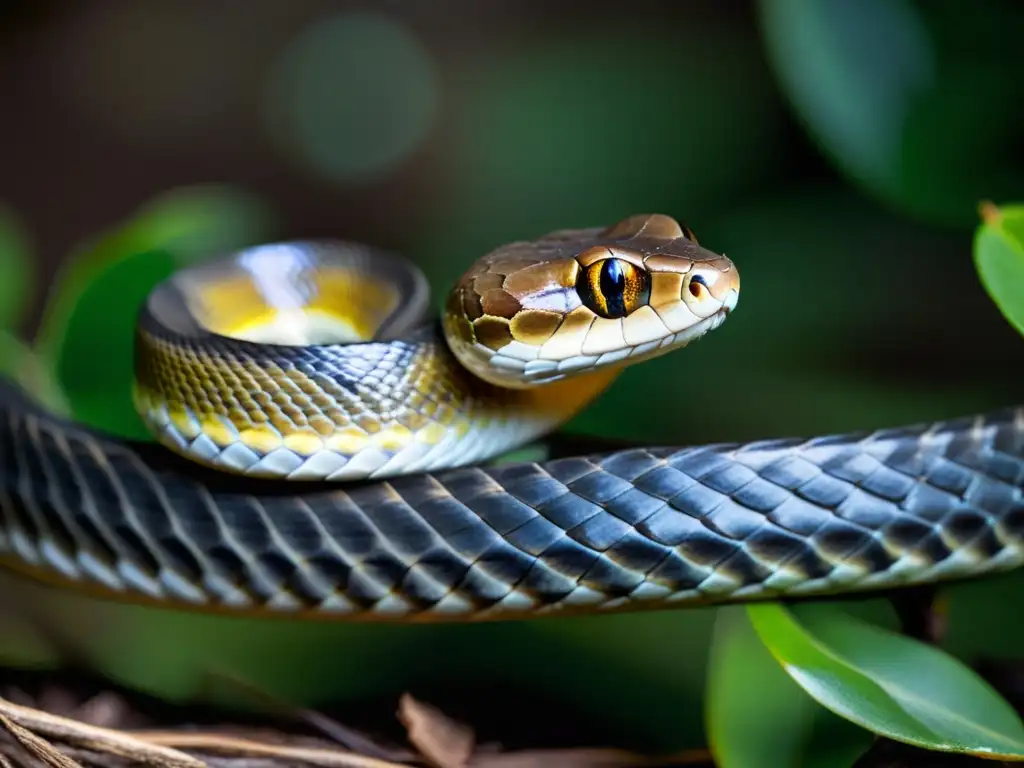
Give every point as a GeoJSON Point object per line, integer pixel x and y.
{"type": "Point", "coordinates": [546, 371]}
{"type": "Point", "coordinates": [681, 338]}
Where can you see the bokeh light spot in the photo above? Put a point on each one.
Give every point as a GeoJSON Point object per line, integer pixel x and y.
{"type": "Point", "coordinates": [352, 97]}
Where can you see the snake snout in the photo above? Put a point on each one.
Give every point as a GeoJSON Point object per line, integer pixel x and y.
{"type": "Point", "coordinates": [733, 295]}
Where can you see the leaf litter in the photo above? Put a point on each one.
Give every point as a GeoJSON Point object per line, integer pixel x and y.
{"type": "Point", "coordinates": [54, 727]}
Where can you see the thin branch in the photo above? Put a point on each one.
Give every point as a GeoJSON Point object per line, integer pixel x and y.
{"type": "Point", "coordinates": [91, 736]}
{"type": "Point", "coordinates": [233, 745]}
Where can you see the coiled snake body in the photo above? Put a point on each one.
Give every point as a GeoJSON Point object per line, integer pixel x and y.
{"type": "Point", "coordinates": [322, 446]}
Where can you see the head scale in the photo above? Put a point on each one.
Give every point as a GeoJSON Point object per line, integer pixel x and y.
{"type": "Point", "coordinates": [576, 301]}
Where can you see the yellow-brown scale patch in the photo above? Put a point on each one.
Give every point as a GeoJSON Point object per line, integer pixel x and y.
{"type": "Point", "coordinates": [659, 262]}
{"type": "Point", "coordinates": [666, 288]}
{"type": "Point", "coordinates": [182, 421]}
{"type": "Point", "coordinates": [321, 424]}
{"type": "Point", "coordinates": [534, 326]}
{"type": "Point", "coordinates": [469, 304]}
{"type": "Point", "coordinates": [570, 337]}
{"type": "Point", "coordinates": [392, 438]}
{"type": "Point", "coordinates": [369, 423]}
{"type": "Point", "coordinates": [431, 434]}
{"type": "Point", "coordinates": [260, 439]}
{"type": "Point", "coordinates": [492, 332]}
{"type": "Point", "coordinates": [455, 318]}
{"type": "Point", "coordinates": [487, 281]}
{"type": "Point", "coordinates": [279, 421]}
{"type": "Point", "coordinates": [348, 440]}
{"type": "Point", "coordinates": [498, 303]}
{"type": "Point", "coordinates": [411, 419]}
{"type": "Point", "coordinates": [296, 414]}
{"type": "Point", "coordinates": [304, 442]}
{"type": "Point", "coordinates": [217, 431]}
{"type": "Point", "coordinates": [337, 416]}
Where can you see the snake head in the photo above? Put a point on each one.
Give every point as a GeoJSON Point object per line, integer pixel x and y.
{"type": "Point", "coordinates": [577, 301]}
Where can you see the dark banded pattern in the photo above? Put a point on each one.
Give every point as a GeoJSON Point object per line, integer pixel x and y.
{"type": "Point", "coordinates": [629, 529]}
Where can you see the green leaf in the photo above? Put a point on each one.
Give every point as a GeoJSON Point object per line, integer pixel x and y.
{"type": "Point", "coordinates": [999, 259]}
{"type": "Point", "coordinates": [87, 332]}
{"type": "Point", "coordinates": [890, 684]}
{"type": "Point", "coordinates": [536, 451]}
{"type": "Point", "coordinates": [872, 79]}
{"type": "Point", "coordinates": [854, 95]}
{"type": "Point", "coordinates": [15, 270]}
{"type": "Point", "coordinates": [780, 724]}
{"type": "Point", "coordinates": [20, 363]}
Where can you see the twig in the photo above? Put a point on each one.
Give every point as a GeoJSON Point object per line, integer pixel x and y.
{"type": "Point", "coordinates": [103, 739]}
{"type": "Point", "coordinates": [233, 745]}
{"type": "Point", "coordinates": [38, 746]}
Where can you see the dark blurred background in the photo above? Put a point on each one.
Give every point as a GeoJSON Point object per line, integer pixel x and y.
{"type": "Point", "coordinates": [837, 151]}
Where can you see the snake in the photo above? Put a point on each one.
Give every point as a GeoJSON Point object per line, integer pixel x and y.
{"type": "Point", "coordinates": [328, 445]}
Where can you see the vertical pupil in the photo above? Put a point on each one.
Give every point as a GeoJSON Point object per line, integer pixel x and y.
{"type": "Point", "coordinates": [613, 280]}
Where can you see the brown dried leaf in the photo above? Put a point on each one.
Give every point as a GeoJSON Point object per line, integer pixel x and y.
{"type": "Point", "coordinates": [442, 741]}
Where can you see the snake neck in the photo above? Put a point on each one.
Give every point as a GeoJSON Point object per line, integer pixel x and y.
{"type": "Point", "coordinates": [339, 412]}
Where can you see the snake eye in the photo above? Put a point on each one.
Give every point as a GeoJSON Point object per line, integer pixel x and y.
{"type": "Point", "coordinates": [613, 288]}
{"type": "Point", "coordinates": [697, 286]}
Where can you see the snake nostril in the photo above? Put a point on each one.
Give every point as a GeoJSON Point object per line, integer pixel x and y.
{"type": "Point", "coordinates": [697, 286]}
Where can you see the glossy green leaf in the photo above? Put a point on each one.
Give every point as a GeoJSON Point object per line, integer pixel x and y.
{"type": "Point", "coordinates": [15, 270]}
{"type": "Point", "coordinates": [756, 715]}
{"type": "Point", "coordinates": [872, 79]}
{"type": "Point", "coordinates": [87, 332]}
{"type": "Point", "coordinates": [888, 683]}
{"type": "Point", "coordinates": [999, 258]}
{"type": "Point", "coordinates": [854, 97]}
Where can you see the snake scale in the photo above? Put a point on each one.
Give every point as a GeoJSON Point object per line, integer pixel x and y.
{"type": "Point", "coordinates": [323, 448]}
